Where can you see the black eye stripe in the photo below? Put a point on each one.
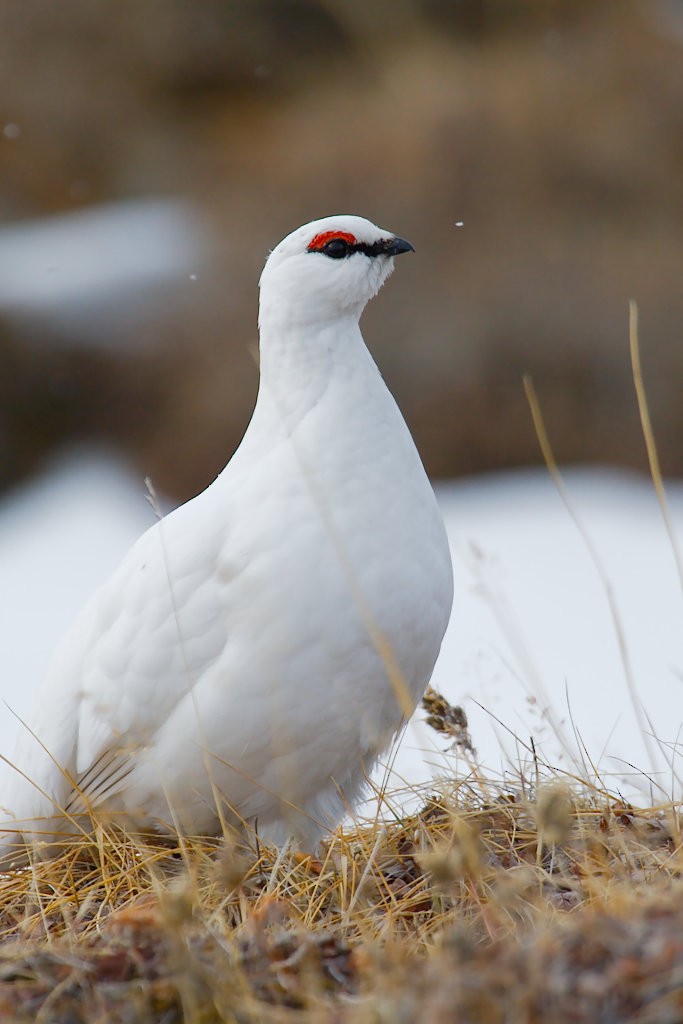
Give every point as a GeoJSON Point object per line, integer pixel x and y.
{"type": "Point", "coordinates": [376, 249]}
{"type": "Point", "coordinates": [339, 248]}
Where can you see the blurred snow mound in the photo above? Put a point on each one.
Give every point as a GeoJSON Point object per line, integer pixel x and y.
{"type": "Point", "coordinates": [95, 261]}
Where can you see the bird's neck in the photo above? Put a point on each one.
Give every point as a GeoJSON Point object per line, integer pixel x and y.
{"type": "Point", "coordinates": [300, 362]}
{"type": "Point", "coordinates": [304, 369]}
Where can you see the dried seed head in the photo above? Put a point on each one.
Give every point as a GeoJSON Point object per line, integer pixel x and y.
{"type": "Point", "coordinates": [231, 868]}
{"type": "Point", "coordinates": [178, 902]}
{"type": "Point", "coordinates": [553, 812]}
{"type": "Point", "coordinates": [449, 719]}
{"type": "Point", "coordinates": [462, 857]}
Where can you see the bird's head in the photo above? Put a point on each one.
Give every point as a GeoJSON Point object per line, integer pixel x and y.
{"type": "Point", "coordinates": [327, 269]}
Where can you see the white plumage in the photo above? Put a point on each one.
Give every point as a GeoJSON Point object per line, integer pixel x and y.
{"type": "Point", "coordinates": [258, 648]}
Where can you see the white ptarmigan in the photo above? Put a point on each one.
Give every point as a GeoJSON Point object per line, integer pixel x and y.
{"type": "Point", "coordinates": [259, 647]}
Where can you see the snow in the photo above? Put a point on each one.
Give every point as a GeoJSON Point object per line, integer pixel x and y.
{"type": "Point", "coordinates": [532, 648]}
{"type": "Point", "coordinates": [74, 269]}
{"type": "Point", "coordinates": [60, 537]}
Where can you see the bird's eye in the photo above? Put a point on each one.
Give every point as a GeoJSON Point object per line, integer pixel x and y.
{"type": "Point", "coordinates": [337, 248]}
{"type": "Point", "coordinates": [335, 244]}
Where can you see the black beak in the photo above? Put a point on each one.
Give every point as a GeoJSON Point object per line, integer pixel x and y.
{"type": "Point", "coordinates": [395, 246]}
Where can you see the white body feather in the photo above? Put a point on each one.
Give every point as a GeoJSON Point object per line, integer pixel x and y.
{"type": "Point", "coordinates": [239, 654]}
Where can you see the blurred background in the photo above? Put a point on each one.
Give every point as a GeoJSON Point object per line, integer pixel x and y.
{"type": "Point", "coordinates": [152, 152]}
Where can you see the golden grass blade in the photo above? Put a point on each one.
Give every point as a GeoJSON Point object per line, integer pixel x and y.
{"type": "Point", "coordinates": [552, 467]}
{"type": "Point", "coordinates": [648, 435]}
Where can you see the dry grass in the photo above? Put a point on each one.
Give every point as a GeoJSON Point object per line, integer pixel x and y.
{"type": "Point", "coordinates": [549, 902]}
{"type": "Point", "coordinates": [544, 900]}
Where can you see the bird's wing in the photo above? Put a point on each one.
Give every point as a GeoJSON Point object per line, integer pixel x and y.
{"type": "Point", "coordinates": [154, 628]}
